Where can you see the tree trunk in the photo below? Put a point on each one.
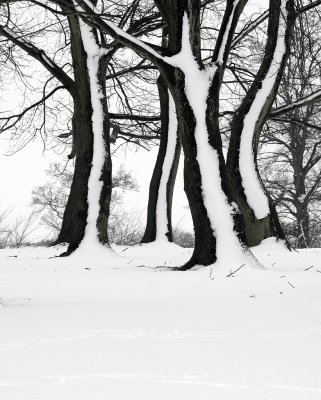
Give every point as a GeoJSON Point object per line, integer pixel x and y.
{"type": "Point", "coordinates": [261, 220]}
{"type": "Point", "coordinates": [106, 173]}
{"type": "Point", "coordinates": [255, 229]}
{"type": "Point", "coordinates": [153, 231]}
{"type": "Point", "coordinates": [303, 220]}
{"type": "Point", "coordinates": [75, 215]}
{"type": "Point", "coordinates": [205, 240]}
{"type": "Point", "coordinates": [217, 225]}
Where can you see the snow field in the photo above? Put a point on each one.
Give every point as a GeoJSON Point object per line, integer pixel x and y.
{"type": "Point", "coordinates": [73, 329]}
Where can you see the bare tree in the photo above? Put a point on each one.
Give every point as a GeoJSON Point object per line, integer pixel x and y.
{"type": "Point", "coordinates": [195, 88]}
{"type": "Point", "coordinates": [50, 200]}
{"type": "Point", "coordinates": [291, 160]}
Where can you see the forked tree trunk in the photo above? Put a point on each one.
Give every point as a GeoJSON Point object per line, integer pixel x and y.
{"type": "Point", "coordinates": [159, 216]}
{"type": "Point", "coordinates": [217, 224]}
{"type": "Point", "coordinates": [195, 89]}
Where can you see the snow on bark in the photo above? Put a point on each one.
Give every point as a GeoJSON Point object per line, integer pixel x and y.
{"type": "Point", "coordinates": [161, 208]}
{"type": "Point", "coordinates": [122, 33]}
{"type": "Point", "coordinates": [230, 252]}
{"type": "Point", "coordinates": [226, 34]}
{"type": "Point", "coordinates": [296, 104]}
{"type": "Point", "coordinates": [93, 52]}
{"type": "Point", "coordinates": [253, 190]}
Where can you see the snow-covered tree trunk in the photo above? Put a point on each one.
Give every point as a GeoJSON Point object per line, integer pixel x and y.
{"type": "Point", "coordinates": [88, 201]}
{"type": "Point", "coordinates": [261, 220]}
{"type": "Point", "coordinates": [159, 221]}
{"type": "Point", "coordinates": [100, 178]}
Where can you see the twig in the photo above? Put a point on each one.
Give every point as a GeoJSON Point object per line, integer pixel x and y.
{"type": "Point", "coordinates": [291, 285]}
{"type": "Point", "coordinates": [308, 268]}
{"type": "Point", "coordinates": [235, 271]}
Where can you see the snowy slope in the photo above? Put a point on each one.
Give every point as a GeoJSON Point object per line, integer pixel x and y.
{"type": "Point", "coordinates": [119, 331]}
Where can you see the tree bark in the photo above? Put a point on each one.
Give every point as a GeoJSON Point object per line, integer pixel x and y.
{"type": "Point", "coordinates": [205, 241]}
{"type": "Point", "coordinates": [76, 212]}
{"type": "Point", "coordinates": [75, 215]}
{"type": "Point", "coordinates": [106, 173]}
{"type": "Point", "coordinates": [257, 229]}
{"type": "Point", "coordinates": [194, 125]}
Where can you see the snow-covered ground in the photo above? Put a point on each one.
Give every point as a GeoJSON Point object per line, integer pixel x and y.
{"type": "Point", "coordinates": [82, 328]}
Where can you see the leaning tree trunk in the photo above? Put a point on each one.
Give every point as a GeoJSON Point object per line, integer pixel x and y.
{"type": "Point", "coordinates": [261, 219]}
{"type": "Point", "coordinates": [75, 215]}
{"type": "Point", "coordinates": [159, 210]}
{"type": "Point", "coordinates": [217, 224]}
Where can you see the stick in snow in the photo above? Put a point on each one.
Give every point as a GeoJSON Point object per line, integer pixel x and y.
{"type": "Point", "coordinates": [235, 271]}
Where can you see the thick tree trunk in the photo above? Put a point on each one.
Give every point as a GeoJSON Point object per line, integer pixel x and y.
{"type": "Point", "coordinates": [255, 229]}
{"type": "Point", "coordinates": [217, 224]}
{"type": "Point", "coordinates": [205, 240]}
{"type": "Point", "coordinates": [152, 230]}
{"type": "Point", "coordinates": [75, 215]}
{"type": "Point", "coordinates": [261, 219]}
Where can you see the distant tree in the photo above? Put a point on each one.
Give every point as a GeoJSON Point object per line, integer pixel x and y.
{"type": "Point", "coordinates": [16, 232]}
{"type": "Point", "coordinates": [5, 230]}
{"type": "Point", "coordinates": [50, 201]}
{"type": "Point", "coordinates": [290, 159]}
